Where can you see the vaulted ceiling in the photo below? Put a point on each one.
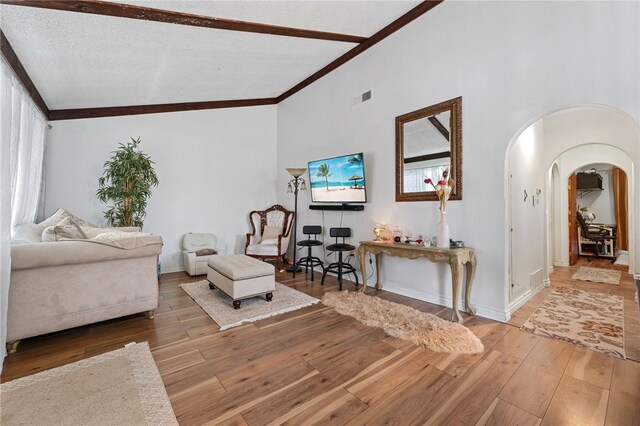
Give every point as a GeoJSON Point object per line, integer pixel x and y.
{"type": "Point", "coordinates": [117, 55]}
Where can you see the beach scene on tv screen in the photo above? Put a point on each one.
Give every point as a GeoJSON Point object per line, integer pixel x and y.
{"type": "Point", "coordinates": [339, 179]}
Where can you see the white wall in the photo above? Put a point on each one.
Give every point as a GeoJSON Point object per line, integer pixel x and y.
{"type": "Point", "coordinates": [214, 167]}
{"type": "Point", "coordinates": [513, 63]}
{"type": "Point", "coordinates": [528, 264]}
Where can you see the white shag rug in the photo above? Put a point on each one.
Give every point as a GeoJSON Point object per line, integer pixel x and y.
{"type": "Point", "coordinates": [219, 306]}
{"type": "Point", "coordinates": [121, 387]}
{"type": "Point", "coordinates": [423, 329]}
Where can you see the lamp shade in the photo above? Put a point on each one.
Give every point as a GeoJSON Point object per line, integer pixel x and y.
{"type": "Point", "coordinates": [303, 187]}
{"type": "Point", "coordinates": [296, 171]}
{"type": "Point", "coordinates": [289, 188]}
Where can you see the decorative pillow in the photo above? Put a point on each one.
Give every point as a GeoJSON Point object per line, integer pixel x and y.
{"type": "Point", "coordinates": [270, 234]}
{"type": "Point", "coordinates": [60, 214]}
{"type": "Point", "coordinates": [205, 252]}
{"type": "Point", "coordinates": [66, 229]}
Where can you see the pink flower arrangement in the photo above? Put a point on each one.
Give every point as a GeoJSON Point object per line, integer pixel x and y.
{"type": "Point", "coordinates": [443, 188]}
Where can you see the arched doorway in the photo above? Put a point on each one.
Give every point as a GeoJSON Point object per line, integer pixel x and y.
{"type": "Point", "coordinates": [537, 226]}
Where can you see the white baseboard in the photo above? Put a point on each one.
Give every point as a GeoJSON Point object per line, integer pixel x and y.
{"type": "Point", "coordinates": [560, 263]}
{"type": "Point", "coordinates": [550, 269]}
{"type": "Point", "coordinates": [520, 301]}
{"type": "Point", "coordinates": [481, 310]}
{"type": "Point", "coordinates": [170, 269]}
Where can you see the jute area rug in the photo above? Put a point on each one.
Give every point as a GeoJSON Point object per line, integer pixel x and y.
{"type": "Point", "coordinates": [597, 275]}
{"type": "Point", "coordinates": [423, 329]}
{"type": "Point", "coordinates": [220, 308]}
{"type": "Point", "coordinates": [122, 387]}
{"type": "Point", "coordinates": [593, 321]}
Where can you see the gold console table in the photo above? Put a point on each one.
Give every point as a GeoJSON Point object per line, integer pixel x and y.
{"type": "Point", "coordinates": [455, 257]}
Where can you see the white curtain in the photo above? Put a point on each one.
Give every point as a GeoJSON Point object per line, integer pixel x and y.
{"type": "Point", "coordinates": [22, 133]}
{"type": "Point", "coordinates": [27, 151]}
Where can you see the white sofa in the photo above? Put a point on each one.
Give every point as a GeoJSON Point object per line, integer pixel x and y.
{"type": "Point", "coordinates": [192, 243]}
{"type": "Point", "coordinates": [59, 285]}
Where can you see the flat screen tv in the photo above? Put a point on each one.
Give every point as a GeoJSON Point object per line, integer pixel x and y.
{"type": "Point", "coordinates": [338, 180]}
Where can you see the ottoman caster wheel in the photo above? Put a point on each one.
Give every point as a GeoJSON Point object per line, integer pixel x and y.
{"type": "Point", "coordinates": [236, 304]}
{"type": "Point", "coordinates": [211, 286]}
{"type": "Point", "coordinates": [268, 296]}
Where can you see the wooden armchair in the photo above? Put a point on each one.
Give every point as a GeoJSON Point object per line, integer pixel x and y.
{"type": "Point", "coordinates": [270, 233]}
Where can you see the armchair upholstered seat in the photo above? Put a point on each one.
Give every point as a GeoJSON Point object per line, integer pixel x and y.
{"type": "Point", "coordinates": [270, 233]}
{"type": "Point", "coordinates": [196, 251]}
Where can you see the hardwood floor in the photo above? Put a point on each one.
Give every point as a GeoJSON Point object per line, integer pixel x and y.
{"type": "Point", "coordinates": [314, 366]}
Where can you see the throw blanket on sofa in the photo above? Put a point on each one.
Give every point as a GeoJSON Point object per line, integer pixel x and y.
{"type": "Point", "coordinates": [122, 240]}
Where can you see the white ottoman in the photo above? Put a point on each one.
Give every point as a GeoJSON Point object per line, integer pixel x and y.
{"type": "Point", "coordinates": [240, 277]}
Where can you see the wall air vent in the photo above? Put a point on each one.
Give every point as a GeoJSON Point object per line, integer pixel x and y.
{"type": "Point", "coordinates": [362, 98]}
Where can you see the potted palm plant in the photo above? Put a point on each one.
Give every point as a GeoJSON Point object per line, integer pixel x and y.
{"type": "Point", "coordinates": [126, 182]}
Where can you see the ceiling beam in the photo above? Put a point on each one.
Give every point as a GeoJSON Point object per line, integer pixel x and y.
{"type": "Point", "coordinates": [71, 114]}
{"type": "Point", "coordinates": [437, 155]}
{"type": "Point", "coordinates": [15, 64]}
{"type": "Point", "coordinates": [438, 125]}
{"type": "Point", "coordinates": [408, 17]}
{"type": "Point", "coordinates": [120, 10]}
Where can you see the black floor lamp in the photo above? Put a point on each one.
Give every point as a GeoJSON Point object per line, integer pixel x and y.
{"type": "Point", "coordinates": [296, 184]}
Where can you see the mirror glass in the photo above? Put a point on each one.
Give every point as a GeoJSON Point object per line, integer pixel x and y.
{"type": "Point", "coordinates": [428, 142]}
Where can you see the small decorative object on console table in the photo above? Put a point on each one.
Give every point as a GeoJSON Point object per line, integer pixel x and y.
{"type": "Point", "coordinates": [443, 191]}
{"type": "Point", "coordinates": [455, 257]}
{"type": "Point", "coordinates": [295, 184]}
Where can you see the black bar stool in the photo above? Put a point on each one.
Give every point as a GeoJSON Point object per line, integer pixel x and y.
{"type": "Point", "coordinates": [340, 267]}
{"type": "Point", "coordinates": [309, 261]}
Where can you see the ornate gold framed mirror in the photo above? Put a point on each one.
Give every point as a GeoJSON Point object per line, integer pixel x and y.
{"type": "Point", "coordinates": [428, 142]}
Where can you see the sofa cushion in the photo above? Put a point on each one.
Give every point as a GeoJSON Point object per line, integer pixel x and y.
{"type": "Point", "coordinates": [67, 228]}
{"type": "Point", "coordinates": [270, 234]}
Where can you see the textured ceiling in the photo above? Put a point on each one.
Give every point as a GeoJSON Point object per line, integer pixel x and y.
{"type": "Point", "coordinates": [422, 138]}
{"type": "Point", "coordinates": [79, 60]}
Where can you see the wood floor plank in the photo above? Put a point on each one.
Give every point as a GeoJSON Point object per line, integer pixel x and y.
{"type": "Point", "coordinates": [337, 410]}
{"type": "Point", "coordinates": [181, 381]}
{"type": "Point", "coordinates": [543, 367]}
{"type": "Point", "coordinates": [195, 397]}
{"type": "Point", "coordinates": [590, 366]}
{"type": "Point", "coordinates": [230, 404]}
{"type": "Point", "coordinates": [517, 343]}
{"type": "Point", "coordinates": [406, 404]}
{"type": "Point", "coordinates": [272, 408]}
{"type": "Point", "coordinates": [376, 386]}
{"type": "Point", "coordinates": [180, 362]}
{"type": "Point", "coordinates": [577, 402]}
{"type": "Point", "coordinates": [624, 405]}
{"type": "Point", "coordinates": [337, 385]}
{"type": "Point", "coordinates": [31, 362]}
{"type": "Point", "coordinates": [236, 420]}
{"type": "Point", "coordinates": [501, 413]}
{"type": "Point", "coordinates": [474, 392]}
